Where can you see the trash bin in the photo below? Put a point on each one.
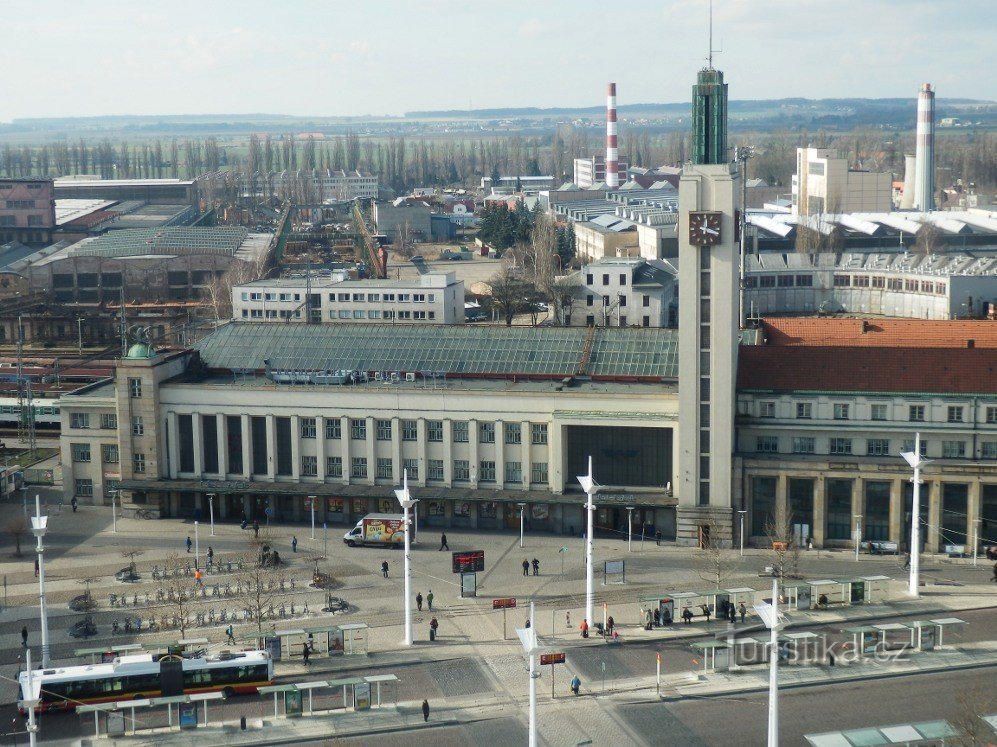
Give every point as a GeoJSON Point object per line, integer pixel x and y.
{"type": "Point", "coordinates": [242, 723]}
{"type": "Point", "coordinates": [432, 634]}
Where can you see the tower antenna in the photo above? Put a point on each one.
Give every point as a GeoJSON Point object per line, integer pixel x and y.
{"type": "Point", "coordinates": [709, 56]}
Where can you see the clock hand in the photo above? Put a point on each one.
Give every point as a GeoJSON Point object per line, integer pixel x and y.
{"type": "Point", "coordinates": [710, 230]}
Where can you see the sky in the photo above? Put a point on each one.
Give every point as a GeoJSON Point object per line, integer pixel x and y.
{"type": "Point", "coordinates": [333, 57]}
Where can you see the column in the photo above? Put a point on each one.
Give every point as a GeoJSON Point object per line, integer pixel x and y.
{"type": "Point", "coordinates": [296, 447]}
{"type": "Point", "coordinates": [371, 457]}
{"type": "Point", "coordinates": [781, 500]}
{"type": "Point", "coordinates": [320, 447]}
{"type": "Point", "coordinates": [557, 462]}
{"type": "Point", "coordinates": [857, 508]}
{"type": "Point", "coordinates": [271, 448]}
{"type": "Point", "coordinates": [526, 438]}
{"type": "Point", "coordinates": [897, 510]}
{"type": "Point", "coordinates": [448, 472]}
{"type": "Point", "coordinates": [247, 448]}
{"type": "Point", "coordinates": [195, 427]}
{"type": "Point", "coordinates": [423, 451]}
{"type": "Point", "coordinates": [174, 443]}
{"type": "Point", "coordinates": [345, 447]}
{"type": "Point", "coordinates": [500, 454]}
{"type": "Point", "coordinates": [222, 444]}
{"type": "Point", "coordinates": [931, 532]}
{"type": "Point", "coordinates": [820, 511]}
{"type": "Point", "coordinates": [398, 465]}
{"type": "Point", "coordinates": [973, 498]}
{"type": "Point", "coordinates": [472, 451]}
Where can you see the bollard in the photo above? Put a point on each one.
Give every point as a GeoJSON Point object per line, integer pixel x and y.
{"type": "Point", "coordinates": [242, 723]}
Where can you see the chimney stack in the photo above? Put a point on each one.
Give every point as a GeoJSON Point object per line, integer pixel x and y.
{"type": "Point", "coordinates": [924, 177]}
{"type": "Point", "coordinates": [612, 151]}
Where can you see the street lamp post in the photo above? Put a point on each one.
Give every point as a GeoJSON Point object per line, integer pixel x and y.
{"type": "Point", "coordinates": [39, 524]}
{"type": "Point", "coordinates": [31, 703]}
{"type": "Point", "coordinates": [211, 511]}
{"type": "Point", "coordinates": [858, 535]}
{"type": "Point", "coordinates": [773, 736]}
{"type": "Point", "coordinates": [312, 499]}
{"type": "Point", "coordinates": [114, 510]}
{"type": "Point", "coordinates": [630, 515]}
{"type": "Point", "coordinates": [741, 517]}
{"type": "Point", "coordinates": [522, 514]}
{"type": "Point", "coordinates": [976, 539]}
{"type": "Point", "coordinates": [528, 637]}
{"type": "Point", "coordinates": [914, 459]}
{"type": "Point", "coordinates": [405, 498]}
{"type": "Point", "coordinates": [591, 488]}
{"type": "Point", "coordinates": [197, 547]}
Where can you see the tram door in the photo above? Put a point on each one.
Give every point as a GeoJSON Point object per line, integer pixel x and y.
{"type": "Point", "coordinates": [171, 676]}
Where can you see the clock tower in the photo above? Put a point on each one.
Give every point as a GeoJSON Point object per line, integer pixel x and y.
{"type": "Point", "coordinates": [709, 201]}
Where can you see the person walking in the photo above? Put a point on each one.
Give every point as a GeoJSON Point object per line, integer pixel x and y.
{"type": "Point", "coordinates": [256, 528]}
{"type": "Point", "coordinates": [706, 612]}
{"type": "Point", "coordinates": [907, 562]}
{"type": "Point", "coordinates": [584, 627]}
{"type": "Point", "coordinates": [743, 611]}
{"type": "Point", "coordinates": [305, 652]}
{"type": "Point", "coordinates": [536, 567]}
{"type": "Point", "coordinates": [429, 600]}
{"type": "Point", "coordinates": [526, 568]}
{"type": "Point", "coordinates": [294, 543]}
{"type": "Point", "coordinates": [230, 635]}
{"type": "Point", "coordinates": [24, 637]}
{"type": "Point", "coordinates": [418, 601]}
{"type": "Point", "coordinates": [36, 567]}
{"type": "Point", "coordinates": [567, 620]}
{"type": "Point", "coordinates": [434, 625]}
{"type": "Point", "coordinates": [732, 612]}
{"type": "Point", "coordinates": [189, 543]}
{"type": "Point", "coordinates": [657, 538]}
{"type": "Point", "coordinates": [576, 684]}
{"type": "Point", "coordinates": [384, 568]}
{"type": "Point", "coordinates": [425, 710]}
{"type": "Point", "coordinates": [211, 556]}
{"type": "Point", "coordinates": [443, 542]}
{"type": "Point", "coordinates": [199, 577]}
{"type": "Point", "coordinates": [610, 623]}
{"type": "Point", "coordinates": [73, 503]}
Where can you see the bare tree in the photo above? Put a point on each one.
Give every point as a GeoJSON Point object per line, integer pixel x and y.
{"type": "Point", "coordinates": [972, 704]}
{"type": "Point", "coordinates": [178, 591]}
{"type": "Point", "coordinates": [785, 548]}
{"type": "Point", "coordinates": [404, 244]}
{"type": "Point", "coordinates": [930, 240]}
{"type": "Point", "coordinates": [717, 560]}
{"type": "Point", "coordinates": [543, 255]}
{"type": "Point", "coordinates": [509, 293]}
{"type": "Point", "coordinates": [17, 527]}
{"type": "Point", "coordinates": [261, 586]}
{"type": "Point", "coordinates": [130, 553]}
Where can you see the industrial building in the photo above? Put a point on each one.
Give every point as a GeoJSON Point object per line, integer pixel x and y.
{"type": "Point", "coordinates": [433, 297]}
{"type": "Point", "coordinates": [27, 211]}
{"type": "Point", "coordinates": [401, 215]}
{"type": "Point", "coordinates": [622, 292]}
{"type": "Point", "coordinates": [157, 191]}
{"type": "Point", "coordinates": [823, 183]}
{"type": "Point", "coordinates": [333, 184]}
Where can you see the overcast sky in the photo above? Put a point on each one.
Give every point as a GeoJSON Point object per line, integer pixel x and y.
{"type": "Point", "coordinates": [333, 57]}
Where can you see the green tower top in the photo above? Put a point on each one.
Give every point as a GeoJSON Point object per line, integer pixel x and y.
{"type": "Point", "coordinates": [709, 117]}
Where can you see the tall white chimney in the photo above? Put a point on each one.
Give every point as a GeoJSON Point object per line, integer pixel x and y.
{"type": "Point", "coordinates": [612, 151]}
{"type": "Point", "coordinates": [924, 177]}
{"type": "Point", "coordinates": [910, 167]}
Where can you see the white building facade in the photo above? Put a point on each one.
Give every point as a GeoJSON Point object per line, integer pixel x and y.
{"type": "Point", "coordinates": [823, 183]}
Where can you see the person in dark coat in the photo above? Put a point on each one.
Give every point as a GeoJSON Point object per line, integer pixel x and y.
{"type": "Point", "coordinates": [24, 636]}
{"type": "Point", "coordinates": [418, 601]}
{"type": "Point", "coordinates": [526, 568]}
{"type": "Point", "coordinates": [425, 710]}
{"type": "Point", "coordinates": [536, 567]}
{"type": "Point", "coordinates": [687, 615]}
{"type": "Point", "coordinates": [384, 568]}
{"type": "Point", "coordinates": [443, 542]}
{"type": "Point", "coordinates": [305, 651]}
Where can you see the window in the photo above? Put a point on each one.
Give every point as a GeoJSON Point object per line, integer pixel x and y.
{"type": "Point", "coordinates": [383, 428]}
{"type": "Point", "coordinates": [308, 427]}
{"type": "Point", "coordinates": [80, 420]}
{"type": "Point", "coordinates": [992, 415]}
{"type": "Point", "coordinates": [841, 446]}
{"type": "Point", "coordinates": [410, 430]}
{"type": "Point", "coordinates": [513, 433]}
{"type": "Point", "coordinates": [840, 411]}
{"type": "Point", "coordinates": [81, 452]}
{"type": "Point", "coordinates": [766, 409]}
{"type": "Point", "coordinates": [878, 412]}
{"type": "Point", "coordinates": [138, 463]}
{"type": "Point", "coordinates": [486, 471]}
{"type": "Point", "coordinates": [109, 453]}
{"type": "Point", "coordinates": [514, 472]}
{"type": "Point", "coordinates": [804, 410]}
{"type": "Point", "coordinates": [135, 388]}
{"type": "Point", "coordinates": [109, 421]}
{"type": "Point", "coordinates": [412, 467]}
{"type": "Point", "coordinates": [538, 473]}
{"type": "Point", "coordinates": [358, 467]}
{"type": "Point", "coordinates": [486, 433]}
{"type": "Point", "coordinates": [589, 300]}
{"type": "Point", "coordinates": [461, 469]}
{"type": "Point", "coordinates": [646, 301]}
{"type": "Point", "coordinates": [605, 279]}
{"type": "Point", "coordinates": [385, 468]}
{"type": "Point", "coordinates": [538, 433]}
{"type": "Point", "coordinates": [877, 446]}
{"type": "Point", "coordinates": [908, 446]}
{"type": "Point", "coordinates": [955, 414]}
{"type": "Point", "coordinates": [953, 449]}
{"type": "Point", "coordinates": [84, 488]}
{"type": "Point", "coordinates": [138, 425]}
{"type": "Point", "coordinates": [309, 466]}
{"type": "Point", "coordinates": [916, 413]}
{"type": "Point", "coordinates": [460, 431]}
{"type": "Point", "coordinates": [334, 466]}
{"type": "Point", "coordinates": [803, 445]}
{"type": "Point", "coordinates": [988, 450]}
{"type": "Point", "coordinates": [767, 444]}
{"type": "Point", "coordinates": [435, 470]}
{"type": "Point", "coordinates": [434, 430]}
{"type": "Point", "coordinates": [589, 280]}
{"type": "Point", "coordinates": [333, 428]}
{"type": "Point", "coordinates": [358, 429]}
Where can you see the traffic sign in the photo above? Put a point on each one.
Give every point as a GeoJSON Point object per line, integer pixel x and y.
{"type": "Point", "coordinates": [501, 604]}
{"type": "Point", "coordinates": [551, 659]}
{"type": "Point", "coordinates": [472, 561]}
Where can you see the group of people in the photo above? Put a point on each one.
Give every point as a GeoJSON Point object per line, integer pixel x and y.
{"type": "Point", "coordinates": [536, 567]}
{"type": "Point", "coordinates": [726, 610]}
{"type": "Point", "coordinates": [429, 600]}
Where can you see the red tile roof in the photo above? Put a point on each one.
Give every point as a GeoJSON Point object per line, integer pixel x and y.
{"type": "Point", "coordinates": [879, 332]}
{"type": "Point", "coordinates": [836, 368]}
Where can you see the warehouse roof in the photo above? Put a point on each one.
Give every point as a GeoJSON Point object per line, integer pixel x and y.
{"type": "Point", "coordinates": [907, 333]}
{"type": "Point", "coordinates": [647, 354]}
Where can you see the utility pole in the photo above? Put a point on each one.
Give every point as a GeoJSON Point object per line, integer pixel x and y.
{"type": "Point", "coordinates": [742, 154]}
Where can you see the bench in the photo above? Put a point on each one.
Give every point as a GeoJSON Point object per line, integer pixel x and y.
{"type": "Point", "coordinates": [884, 548]}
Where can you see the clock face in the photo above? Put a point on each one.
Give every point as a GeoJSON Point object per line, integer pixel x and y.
{"type": "Point", "coordinates": [704, 228]}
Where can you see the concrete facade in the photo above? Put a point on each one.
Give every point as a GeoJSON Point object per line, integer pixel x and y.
{"type": "Point", "coordinates": [27, 211]}
{"type": "Point", "coordinates": [823, 184]}
{"type": "Point", "coordinates": [593, 242]}
{"type": "Point", "coordinates": [390, 218]}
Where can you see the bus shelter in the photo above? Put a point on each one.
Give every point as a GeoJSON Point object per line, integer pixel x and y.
{"type": "Point", "coordinates": [893, 636]}
{"type": "Point", "coordinates": [806, 647]}
{"type": "Point", "coordinates": [875, 587]}
{"type": "Point", "coordinates": [378, 680]}
{"type": "Point", "coordinates": [945, 622]}
{"type": "Point", "coordinates": [716, 655]}
{"type": "Point", "coordinates": [835, 591]}
{"type": "Point", "coordinates": [355, 639]}
{"type": "Point", "coordinates": [291, 642]}
{"type": "Point", "coordinates": [107, 653]}
{"type": "Point", "coordinates": [798, 594]}
{"type": "Point", "coordinates": [111, 710]}
{"type": "Point", "coordinates": [924, 634]}
{"type": "Point", "coordinates": [749, 650]}
{"type": "Point", "coordinates": [348, 684]}
{"type": "Point", "coordinates": [280, 693]}
{"type": "Point", "coordinates": [664, 603]}
{"type": "Point", "coordinates": [864, 639]}
{"type": "Point", "coordinates": [854, 590]}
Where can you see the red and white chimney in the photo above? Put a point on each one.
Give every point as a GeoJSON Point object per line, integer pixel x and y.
{"type": "Point", "coordinates": [612, 151]}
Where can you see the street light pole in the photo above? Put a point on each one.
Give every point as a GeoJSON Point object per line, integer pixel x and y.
{"type": "Point", "coordinates": [773, 737]}
{"type": "Point", "coordinates": [30, 703]}
{"type": "Point", "coordinates": [630, 524]}
{"type": "Point", "coordinates": [312, 499]}
{"type": "Point", "coordinates": [741, 516]}
{"type": "Point", "coordinates": [589, 486]}
{"type": "Point", "coordinates": [197, 547]}
{"type": "Point", "coordinates": [39, 524]}
{"type": "Point", "coordinates": [114, 511]}
{"type": "Point", "coordinates": [211, 511]}
{"type": "Point", "coordinates": [528, 638]}
{"type": "Point", "coordinates": [976, 539]}
{"type": "Point", "coordinates": [405, 499]}
{"type": "Point", "coordinates": [914, 459]}
{"type": "Point", "coordinates": [522, 514]}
